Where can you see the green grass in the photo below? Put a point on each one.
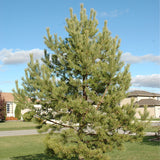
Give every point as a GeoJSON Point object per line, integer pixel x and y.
{"type": "Point", "coordinates": [152, 128]}
{"type": "Point", "coordinates": [146, 150]}
{"type": "Point", "coordinates": [16, 125]}
{"type": "Point", "coordinates": [155, 119]}
{"type": "Point", "coordinates": [32, 148]}
{"type": "Point", "coordinates": [18, 146]}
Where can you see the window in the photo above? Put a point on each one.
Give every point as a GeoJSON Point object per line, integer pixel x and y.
{"type": "Point", "coordinates": [8, 108]}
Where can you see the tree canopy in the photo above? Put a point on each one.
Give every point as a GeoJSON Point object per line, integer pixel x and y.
{"type": "Point", "coordinates": [80, 85]}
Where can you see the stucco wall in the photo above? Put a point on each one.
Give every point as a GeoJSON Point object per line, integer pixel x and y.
{"type": "Point", "coordinates": [125, 101]}
{"type": "Point", "coordinates": [139, 98]}
{"type": "Point", "coordinates": [157, 112]}
{"type": "Point", "coordinates": [151, 111]}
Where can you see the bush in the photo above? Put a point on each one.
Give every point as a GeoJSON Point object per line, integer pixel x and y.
{"type": "Point", "coordinates": [2, 108]}
{"type": "Point", "coordinates": [27, 117]}
{"type": "Point", "coordinates": [18, 112]}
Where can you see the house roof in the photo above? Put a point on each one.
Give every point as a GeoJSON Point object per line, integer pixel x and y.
{"type": "Point", "coordinates": [148, 102]}
{"type": "Point", "coordinates": [138, 93]}
{"type": "Point", "coordinates": [8, 97]}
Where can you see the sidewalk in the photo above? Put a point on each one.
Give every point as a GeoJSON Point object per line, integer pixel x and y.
{"type": "Point", "coordinates": [34, 132]}
{"type": "Point", "coordinates": [18, 132]}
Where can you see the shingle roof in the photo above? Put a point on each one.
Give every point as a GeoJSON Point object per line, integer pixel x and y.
{"type": "Point", "coordinates": [142, 94]}
{"type": "Point", "coordinates": [148, 102]}
{"type": "Point", "coordinates": [8, 97]}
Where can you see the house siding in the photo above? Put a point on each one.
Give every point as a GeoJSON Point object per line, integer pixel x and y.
{"type": "Point", "coordinates": [139, 98]}
{"type": "Point", "coordinates": [157, 111]}
{"type": "Point", "coordinates": [125, 101]}
{"type": "Point", "coordinates": [151, 111]}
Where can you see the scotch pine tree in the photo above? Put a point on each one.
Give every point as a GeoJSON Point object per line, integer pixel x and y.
{"type": "Point", "coordinates": [80, 86]}
{"type": "Point", "coordinates": [2, 108]}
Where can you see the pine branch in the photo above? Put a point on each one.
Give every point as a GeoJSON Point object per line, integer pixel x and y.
{"type": "Point", "coordinates": [104, 141]}
{"type": "Point", "coordinates": [63, 125]}
{"type": "Point", "coordinates": [100, 102]}
{"type": "Point", "coordinates": [84, 87]}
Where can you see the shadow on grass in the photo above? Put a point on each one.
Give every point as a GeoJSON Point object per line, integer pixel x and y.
{"type": "Point", "coordinates": [2, 121]}
{"type": "Point", "coordinates": [34, 157]}
{"type": "Point", "coordinates": [147, 141]}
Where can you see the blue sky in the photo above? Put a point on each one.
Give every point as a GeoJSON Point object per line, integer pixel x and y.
{"type": "Point", "coordinates": [23, 25]}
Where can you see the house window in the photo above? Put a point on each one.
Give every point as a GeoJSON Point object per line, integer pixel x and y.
{"type": "Point", "coordinates": [8, 108]}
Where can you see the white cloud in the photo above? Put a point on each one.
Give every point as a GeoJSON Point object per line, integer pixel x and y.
{"type": "Point", "coordinates": [152, 81]}
{"type": "Point", "coordinates": [129, 58]}
{"type": "Point", "coordinates": [113, 13]}
{"type": "Point", "coordinates": [5, 82]}
{"type": "Point", "coordinates": [9, 56]}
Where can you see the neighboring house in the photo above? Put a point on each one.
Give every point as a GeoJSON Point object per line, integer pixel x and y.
{"type": "Point", "coordinates": [10, 106]}
{"type": "Point", "coordinates": [143, 98]}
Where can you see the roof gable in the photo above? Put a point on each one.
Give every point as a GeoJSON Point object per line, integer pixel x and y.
{"type": "Point", "coordinates": [148, 102]}
{"type": "Point", "coordinates": [138, 93]}
{"type": "Point", "coordinates": [8, 97]}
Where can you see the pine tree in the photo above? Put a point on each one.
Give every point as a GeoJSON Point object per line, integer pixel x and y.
{"type": "Point", "coordinates": [80, 86]}
{"type": "Point", "coordinates": [2, 108]}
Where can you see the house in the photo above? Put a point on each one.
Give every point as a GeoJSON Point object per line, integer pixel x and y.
{"type": "Point", "coordinates": [10, 106]}
{"type": "Point", "coordinates": [143, 98]}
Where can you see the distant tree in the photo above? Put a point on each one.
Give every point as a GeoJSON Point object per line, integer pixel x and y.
{"type": "Point", "coordinates": [18, 112]}
{"type": "Point", "coordinates": [2, 108]}
{"type": "Point", "coordinates": [80, 87]}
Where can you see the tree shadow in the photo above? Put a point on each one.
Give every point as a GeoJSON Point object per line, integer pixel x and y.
{"type": "Point", "coordinates": [148, 140]}
{"type": "Point", "coordinates": [1, 121]}
{"type": "Point", "coordinates": [34, 157]}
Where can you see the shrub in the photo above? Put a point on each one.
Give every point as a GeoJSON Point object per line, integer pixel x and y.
{"type": "Point", "coordinates": [18, 112]}
{"type": "Point", "coordinates": [2, 108]}
{"type": "Point", "coordinates": [27, 117]}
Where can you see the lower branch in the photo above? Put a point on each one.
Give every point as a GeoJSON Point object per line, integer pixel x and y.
{"type": "Point", "coordinates": [60, 124]}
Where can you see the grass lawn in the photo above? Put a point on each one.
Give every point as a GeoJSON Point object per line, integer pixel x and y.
{"type": "Point", "coordinates": [152, 128]}
{"type": "Point", "coordinates": [146, 150]}
{"type": "Point", "coordinates": [16, 125]}
{"type": "Point", "coordinates": [32, 148]}
{"type": "Point", "coordinates": [17, 146]}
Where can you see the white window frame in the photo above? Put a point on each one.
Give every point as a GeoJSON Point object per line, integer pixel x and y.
{"type": "Point", "coordinates": [8, 107]}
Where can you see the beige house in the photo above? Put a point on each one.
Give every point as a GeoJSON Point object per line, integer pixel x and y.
{"type": "Point", "coordinates": [143, 98]}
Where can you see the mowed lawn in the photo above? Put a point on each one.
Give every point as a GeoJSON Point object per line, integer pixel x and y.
{"type": "Point", "coordinates": [16, 146]}
{"type": "Point", "coordinates": [32, 148]}
{"type": "Point", "coordinates": [16, 125]}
